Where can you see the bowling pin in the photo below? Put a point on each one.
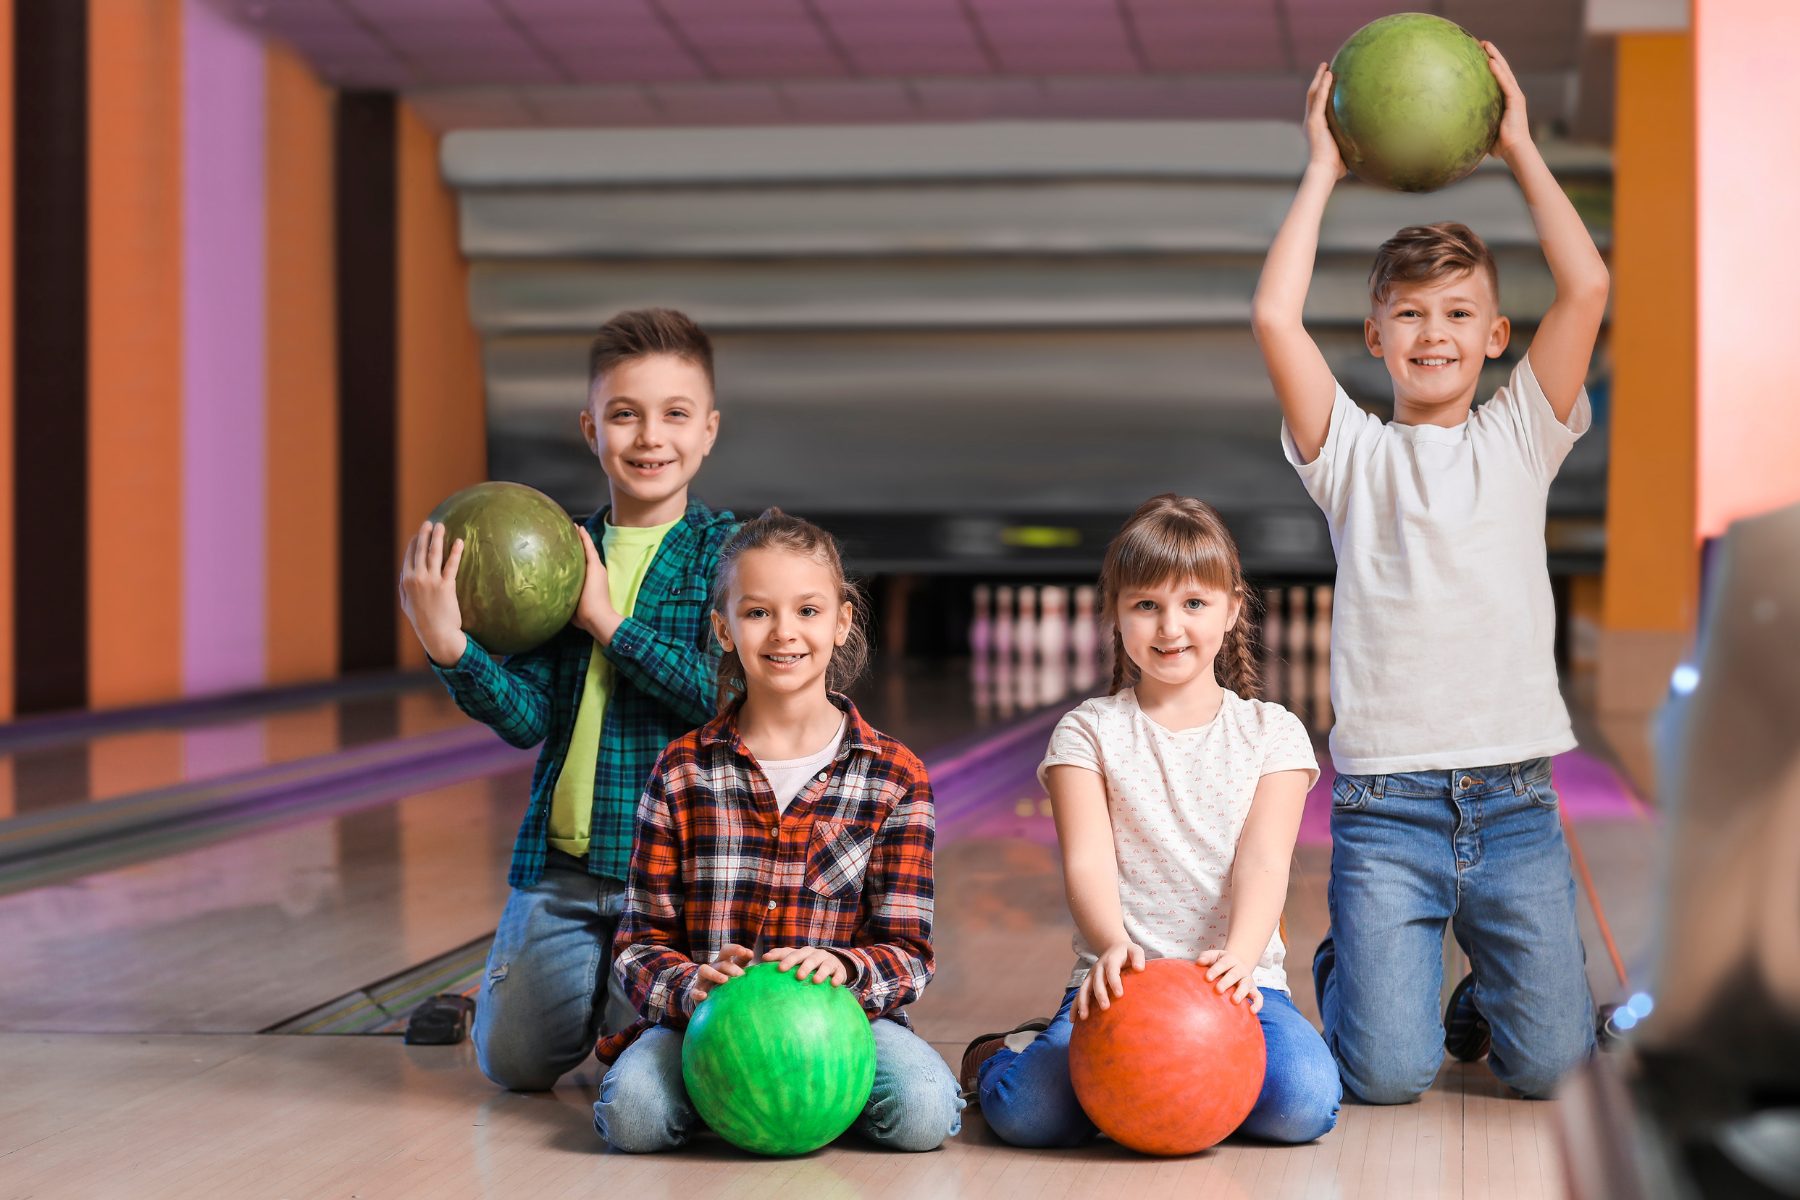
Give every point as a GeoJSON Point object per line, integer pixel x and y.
{"type": "Point", "coordinates": [1025, 632]}
{"type": "Point", "coordinates": [1321, 648]}
{"type": "Point", "coordinates": [981, 631]}
{"type": "Point", "coordinates": [1084, 640]}
{"type": "Point", "coordinates": [1271, 645]}
{"type": "Point", "coordinates": [1298, 701]}
{"type": "Point", "coordinates": [1003, 625]}
{"type": "Point", "coordinates": [1053, 644]}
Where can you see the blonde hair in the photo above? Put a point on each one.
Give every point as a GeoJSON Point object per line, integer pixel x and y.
{"type": "Point", "coordinates": [776, 530]}
{"type": "Point", "coordinates": [1172, 539]}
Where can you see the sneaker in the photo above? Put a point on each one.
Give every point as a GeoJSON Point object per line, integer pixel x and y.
{"type": "Point", "coordinates": [1466, 1033]}
{"type": "Point", "coordinates": [984, 1048]}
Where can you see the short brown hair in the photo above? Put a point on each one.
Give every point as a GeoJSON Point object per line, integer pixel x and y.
{"type": "Point", "coordinates": [1173, 539]}
{"type": "Point", "coordinates": [1428, 253]}
{"type": "Point", "coordinates": [642, 332]}
{"type": "Point", "coordinates": [776, 530]}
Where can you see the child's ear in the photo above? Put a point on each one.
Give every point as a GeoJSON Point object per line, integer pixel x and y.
{"type": "Point", "coordinates": [1372, 336]}
{"type": "Point", "coordinates": [846, 614]}
{"type": "Point", "coordinates": [722, 632]}
{"type": "Point", "coordinates": [590, 430]}
{"type": "Point", "coordinates": [1499, 337]}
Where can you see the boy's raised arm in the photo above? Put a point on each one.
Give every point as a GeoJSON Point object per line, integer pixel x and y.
{"type": "Point", "coordinates": [1302, 380]}
{"type": "Point", "coordinates": [1565, 338]}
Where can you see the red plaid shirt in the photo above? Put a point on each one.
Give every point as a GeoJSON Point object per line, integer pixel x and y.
{"type": "Point", "coordinates": [847, 866]}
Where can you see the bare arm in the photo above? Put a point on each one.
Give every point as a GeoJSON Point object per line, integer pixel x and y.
{"type": "Point", "coordinates": [1091, 875]}
{"type": "Point", "coordinates": [1302, 380]}
{"type": "Point", "coordinates": [1259, 881]}
{"type": "Point", "coordinates": [1565, 338]}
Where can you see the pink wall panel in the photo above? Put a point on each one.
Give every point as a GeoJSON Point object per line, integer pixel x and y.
{"type": "Point", "coordinates": [1747, 107]}
{"type": "Point", "coordinates": [222, 502]}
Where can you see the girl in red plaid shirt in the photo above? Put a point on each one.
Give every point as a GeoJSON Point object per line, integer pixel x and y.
{"type": "Point", "coordinates": [786, 830]}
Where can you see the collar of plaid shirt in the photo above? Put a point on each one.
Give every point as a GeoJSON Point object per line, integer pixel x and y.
{"type": "Point", "coordinates": [848, 866]}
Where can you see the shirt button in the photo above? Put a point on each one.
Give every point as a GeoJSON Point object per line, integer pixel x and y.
{"type": "Point", "coordinates": [771, 904]}
{"type": "Point", "coordinates": [821, 777]}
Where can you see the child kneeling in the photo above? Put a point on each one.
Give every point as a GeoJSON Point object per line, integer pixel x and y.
{"type": "Point", "coordinates": [787, 830]}
{"type": "Point", "coordinates": [1177, 803]}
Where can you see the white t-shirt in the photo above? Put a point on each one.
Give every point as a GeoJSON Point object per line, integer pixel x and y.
{"type": "Point", "coordinates": [787, 776]}
{"type": "Point", "coordinates": [1442, 627]}
{"type": "Point", "coordinates": [1178, 801]}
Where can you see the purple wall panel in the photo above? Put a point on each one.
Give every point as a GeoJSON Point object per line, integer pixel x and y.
{"type": "Point", "coordinates": [224, 525]}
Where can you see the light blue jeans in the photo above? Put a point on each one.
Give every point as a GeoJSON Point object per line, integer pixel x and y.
{"type": "Point", "coordinates": [914, 1104]}
{"type": "Point", "coordinates": [1027, 1097]}
{"type": "Point", "coordinates": [1483, 849]}
{"type": "Point", "coordinates": [548, 990]}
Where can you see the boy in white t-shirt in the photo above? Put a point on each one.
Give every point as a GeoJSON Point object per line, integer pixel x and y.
{"type": "Point", "coordinates": [1442, 669]}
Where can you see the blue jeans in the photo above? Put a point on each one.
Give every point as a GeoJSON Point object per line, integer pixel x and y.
{"type": "Point", "coordinates": [1028, 1099]}
{"type": "Point", "coordinates": [548, 990]}
{"type": "Point", "coordinates": [1481, 848]}
{"type": "Point", "coordinates": [914, 1104]}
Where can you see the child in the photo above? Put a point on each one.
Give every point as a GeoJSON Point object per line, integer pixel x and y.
{"type": "Point", "coordinates": [786, 829]}
{"type": "Point", "coordinates": [632, 670]}
{"type": "Point", "coordinates": [1442, 669]}
{"type": "Point", "coordinates": [1177, 802]}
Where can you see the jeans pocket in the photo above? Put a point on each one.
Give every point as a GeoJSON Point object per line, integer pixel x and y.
{"type": "Point", "coordinates": [1350, 793]}
{"type": "Point", "coordinates": [1542, 792]}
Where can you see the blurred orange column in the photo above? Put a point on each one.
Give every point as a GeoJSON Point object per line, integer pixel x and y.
{"type": "Point", "coordinates": [134, 351]}
{"type": "Point", "coordinates": [1747, 109]}
{"type": "Point", "coordinates": [302, 378]}
{"type": "Point", "coordinates": [442, 410]}
{"type": "Point", "coordinates": [1651, 551]}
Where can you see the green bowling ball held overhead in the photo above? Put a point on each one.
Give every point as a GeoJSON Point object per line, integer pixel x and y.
{"type": "Point", "coordinates": [1414, 102]}
{"type": "Point", "coordinates": [522, 566]}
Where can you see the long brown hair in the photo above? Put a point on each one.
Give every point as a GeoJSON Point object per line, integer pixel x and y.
{"type": "Point", "coordinates": [1174, 538]}
{"type": "Point", "coordinates": [776, 530]}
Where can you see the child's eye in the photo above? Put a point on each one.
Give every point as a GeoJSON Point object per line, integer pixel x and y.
{"type": "Point", "coordinates": [808, 610]}
{"type": "Point", "coordinates": [1146, 606]}
{"type": "Point", "coordinates": [1195, 603]}
{"type": "Point", "coordinates": [1462, 312]}
{"type": "Point", "coordinates": [755, 614]}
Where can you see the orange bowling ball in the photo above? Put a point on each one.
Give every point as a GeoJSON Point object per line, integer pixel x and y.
{"type": "Point", "coordinates": [1172, 1066]}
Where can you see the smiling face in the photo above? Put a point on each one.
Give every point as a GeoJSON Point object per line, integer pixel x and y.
{"type": "Point", "coordinates": [783, 617]}
{"type": "Point", "coordinates": [1434, 338]}
{"type": "Point", "coordinates": [1173, 631]}
{"type": "Point", "coordinates": [651, 422]}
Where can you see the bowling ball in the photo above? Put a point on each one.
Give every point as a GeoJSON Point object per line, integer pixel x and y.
{"type": "Point", "coordinates": [1172, 1066]}
{"type": "Point", "coordinates": [776, 1065]}
{"type": "Point", "coordinates": [1414, 105]}
{"type": "Point", "coordinates": [522, 565]}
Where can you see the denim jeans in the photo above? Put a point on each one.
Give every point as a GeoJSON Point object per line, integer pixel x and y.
{"type": "Point", "coordinates": [914, 1104]}
{"type": "Point", "coordinates": [1027, 1097]}
{"type": "Point", "coordinates": [548, 990]}
{"type": "Point", "coordinates": [1481, 848]}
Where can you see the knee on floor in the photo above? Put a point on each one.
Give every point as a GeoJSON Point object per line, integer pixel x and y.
{"type": "Point", "coordinates": [1296, 1119]}
{"type": "Point", "coordinates": [913, 1123]}
{"type": "Point", "coordinates": [514, 1071]}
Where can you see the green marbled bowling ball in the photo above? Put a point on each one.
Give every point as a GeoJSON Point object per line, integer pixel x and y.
{"type": "Point", "coordinates": [522, 566]}
{"type": "Point", "coordinates": [1414, 105]}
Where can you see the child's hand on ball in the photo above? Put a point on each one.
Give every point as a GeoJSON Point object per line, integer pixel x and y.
{"type": "Point", "coordinates": [816, 962]}
{"type": "Point", "coordinates": [1322, 146]}
{"type": "Point", "coordinates": [1103, 983]}
{"type": "Point", "coordinates": [428, 594]}
{"type": "Point", "coordinates": [1515, 127]}
{"type": "Point", "coordinates": [1226, 972]}
{"type": "Point", "coordinates": [730, 963]}
{"type": "Point", "coordinates": [594, 612]}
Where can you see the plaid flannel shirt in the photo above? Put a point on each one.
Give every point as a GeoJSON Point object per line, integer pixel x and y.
{"type": "Point", "coordinates": [847, 866]}
{"type": "Point", "coordinates": [663, 686]}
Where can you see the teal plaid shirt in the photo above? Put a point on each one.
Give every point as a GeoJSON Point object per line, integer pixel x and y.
{"type": "Point", "coordinates": [663, 686]}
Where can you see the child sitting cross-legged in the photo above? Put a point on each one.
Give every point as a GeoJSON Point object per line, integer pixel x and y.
{"type": "Point", "coordinates": [1177, 802]}
{"type": "Point", "coordinates": [786, 830]}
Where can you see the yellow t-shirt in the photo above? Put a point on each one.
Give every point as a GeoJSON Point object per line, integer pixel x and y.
{"type": "Point", "coordinates": [628, 554]}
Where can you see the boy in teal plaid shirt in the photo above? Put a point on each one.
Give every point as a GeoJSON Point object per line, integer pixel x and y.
{"type": "Point", "coordinates": [632, 671]}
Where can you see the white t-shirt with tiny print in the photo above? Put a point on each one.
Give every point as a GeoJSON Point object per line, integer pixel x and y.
{"type": "Point", "coordinates": [1178, 801]}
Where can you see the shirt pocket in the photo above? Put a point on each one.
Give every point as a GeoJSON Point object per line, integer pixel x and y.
{"type": "Point", "coordinates": [837, 858]}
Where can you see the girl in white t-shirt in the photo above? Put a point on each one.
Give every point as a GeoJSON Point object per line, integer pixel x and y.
{"type": "Point", "coordinates": [1177, 799]}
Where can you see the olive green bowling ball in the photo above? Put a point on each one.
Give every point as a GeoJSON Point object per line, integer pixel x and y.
{"type": "Point", "coordinates": [1414, 105]}
{"type": "Point", "coordinates": [522, 566]}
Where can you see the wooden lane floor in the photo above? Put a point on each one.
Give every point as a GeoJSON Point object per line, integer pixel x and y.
{"type": "Point", "coordinates": [129, 1069]}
